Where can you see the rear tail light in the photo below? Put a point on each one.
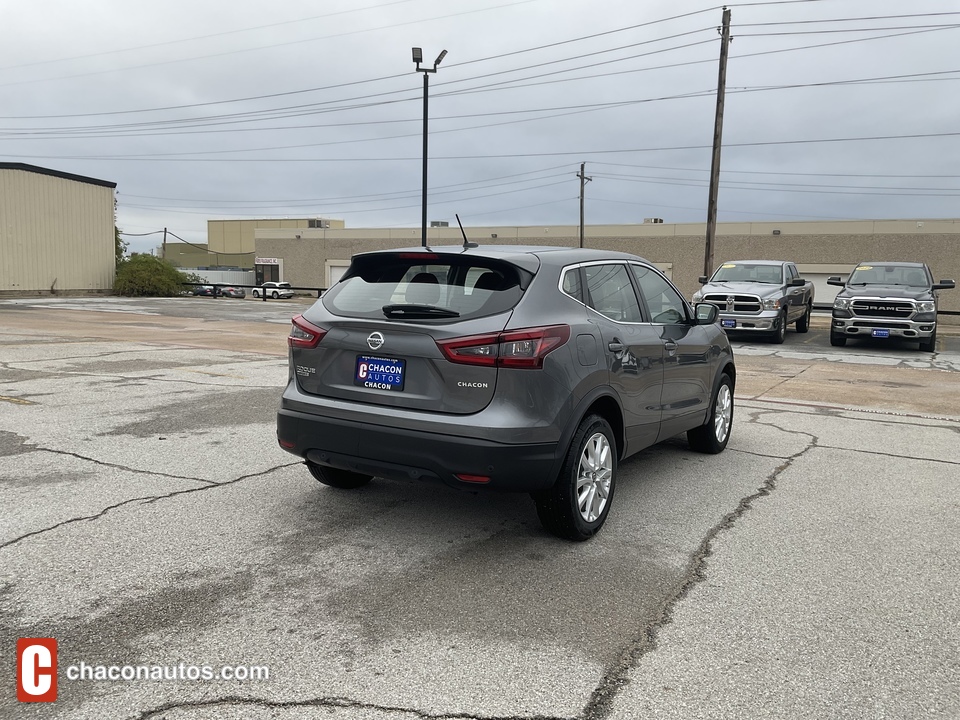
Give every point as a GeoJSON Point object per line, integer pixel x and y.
{"type": "Point", "coordinates": [514, 349]}
{"type": "Point", "coordinates": [304, 334]}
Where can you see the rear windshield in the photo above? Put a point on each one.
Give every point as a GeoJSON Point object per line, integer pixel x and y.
{"type": "Point", "coordinates": [910, 275]}
{"type": "Point", "coordinates": [748, 272]}
{"type": "Point", "coordinates": [435, 288]}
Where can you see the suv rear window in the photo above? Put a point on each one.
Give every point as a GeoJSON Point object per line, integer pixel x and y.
{"type": "Point", "coordinates": [463, 286]}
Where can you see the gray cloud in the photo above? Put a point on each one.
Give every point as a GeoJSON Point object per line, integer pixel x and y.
{"type": "Point", "coordinates": [341, 134]}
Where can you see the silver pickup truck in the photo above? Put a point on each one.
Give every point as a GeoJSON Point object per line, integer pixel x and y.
{"type": "Point", "coordinates": [887, 300]}
{"type": "Point", "coordinates": [759, 296]}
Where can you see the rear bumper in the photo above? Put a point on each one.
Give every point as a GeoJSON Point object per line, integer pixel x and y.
{"type": "Point", "coordinates": [386, 451]}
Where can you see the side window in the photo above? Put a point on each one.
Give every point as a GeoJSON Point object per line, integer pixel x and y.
{"type": "Point", "coordinates": [611, 293]}
{"type": "Point", "coordinates": [792, 272]}
{"type": "Point", "coordinates": [664, 303]}
{"type": "Point", "coordinates": [571, 284]}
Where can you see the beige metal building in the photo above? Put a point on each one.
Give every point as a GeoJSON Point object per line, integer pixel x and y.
{"type": "Point", "coordinates": [232, 242]}
{"type": "Point", "coordinates": [317, 257]}
{"type": "Point", "coordinates": [56, 231]}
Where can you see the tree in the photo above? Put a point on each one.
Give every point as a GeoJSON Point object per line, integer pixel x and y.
{"type": "Point", "coordinates": [146, 275]}
{"type": "Point", "coordinates": [120, 245]}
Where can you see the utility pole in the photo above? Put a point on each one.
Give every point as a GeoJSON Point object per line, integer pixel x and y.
{"type": "Point", "coordinates": [163, 252]}
{"type": "Point", "coordinates": [583, 181]}
{"type": "Point", "coordinates": [717, 136]}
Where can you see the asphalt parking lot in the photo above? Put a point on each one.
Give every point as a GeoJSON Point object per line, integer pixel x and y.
{"type": "Point", "coordinates": [151, 520]}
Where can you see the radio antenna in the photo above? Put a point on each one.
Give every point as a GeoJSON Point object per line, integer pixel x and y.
{"type": "Point", "coordinates": [466, 243]}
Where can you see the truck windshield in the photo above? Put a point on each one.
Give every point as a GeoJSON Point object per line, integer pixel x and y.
{"type": "Point", "coordinates": [748, 272]}
{"type": "Point", "coordinates": [889, 275]}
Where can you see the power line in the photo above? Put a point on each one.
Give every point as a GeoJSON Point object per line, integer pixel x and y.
{"type": "Point", "coordinates": [205, 37]}
{"type": "Point", "coordinates": [273, 113]}
{"type": "Point", "coordinates": [285, 43]}
{"type": "Point", "coordinates": [499, 56]}
{"type": "Point", "coordinates": [773, 172]}
{"type": "Point", "coordinates": [582, 153]}
{"type": "Point", "coordinates": [260, 115]}
{"type": "Point", "coordinates": [355, 197]}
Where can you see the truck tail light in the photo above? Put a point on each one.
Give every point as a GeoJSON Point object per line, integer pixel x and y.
{"type": "Point", "coordinates": [304, 334]}
{"type": "Point", "coordinates": [514, 348]}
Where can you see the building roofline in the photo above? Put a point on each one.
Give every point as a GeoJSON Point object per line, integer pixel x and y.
{"type": "Point", "coordinates": [56, 173]}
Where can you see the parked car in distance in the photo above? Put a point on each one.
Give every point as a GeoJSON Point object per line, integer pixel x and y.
{"type": "Point", "coordinates": [887, 299]}
{"type": "Point", "coordinates": [230, 291]}
{"type": "Point", "coordinates": [759, 296]}
{"type": "Point", "coordinates": [524, 369]}
{"type": "Point", "coordinates": [202, 290]}
{"type": "Point", "coordinates": [273, 290]}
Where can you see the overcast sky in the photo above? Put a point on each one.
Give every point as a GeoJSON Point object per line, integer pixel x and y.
{"type": "Point", "coordinates": [203, 109]}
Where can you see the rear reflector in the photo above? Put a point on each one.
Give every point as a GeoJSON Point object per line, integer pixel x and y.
{"type": "Point", "coordinates": [286, 444]}
{"type": "Point", "coordinates": [304, 334]}
{"type": "Point", "coordinates": [514, 348]}
{"type": "Point", "coordinates": [472, 478]}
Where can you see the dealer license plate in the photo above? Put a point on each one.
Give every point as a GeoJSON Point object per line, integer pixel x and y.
{"type": "Point", "coordinates": [728, 323]}
{"type": "Point", "coordinates": [380, 373]}
{"type": "Point", "coordinates": [881, 332]}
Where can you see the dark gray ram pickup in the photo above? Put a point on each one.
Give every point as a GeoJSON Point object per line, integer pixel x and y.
{"type": "Point", "coordinates": [759, 296]}
{"type": "Point", "coordinates": [887, 299]}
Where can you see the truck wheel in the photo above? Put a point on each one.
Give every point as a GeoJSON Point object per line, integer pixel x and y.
{"type": "Point", "coordinates": [713, 435]}
{"type": "Point", "coordinates": [780, 334]}
{"type": "Point", "coordinates": [576, 507]}
{"type": "Point", "coordinates": [334, 477]}
{"type": "Point", "coordinates": [803, 324]}
{"type": "Point", "coordinates": [837, 340]}
{"type": "Point", "coordinates": [929, 344]}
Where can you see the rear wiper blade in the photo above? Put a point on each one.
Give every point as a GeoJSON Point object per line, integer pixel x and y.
{"type": "Point", "coordinates": [418, 311]}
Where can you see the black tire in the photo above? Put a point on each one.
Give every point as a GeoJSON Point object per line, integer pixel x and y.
{"type": "Point", "coordinates": [334, 477]}
{"type": "Point", "coordinates": [712, 437]}
{"type": "Point", "coordinates": [577, 505]}
{"type": "Point", "coordinates": [929, 344]}
{"type": "Point", "coordinates": [837, 340]}
{"type": "Point", "coordinates": [256, 293]}
{"type": "Point", "coordinates": [274, 294]}
{"type": "Point", "coordinates": [803, 324]}
{"type": "Point", "coordinates": [780, 333]}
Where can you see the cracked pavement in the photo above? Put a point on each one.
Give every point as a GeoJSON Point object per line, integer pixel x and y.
{"type": "Point", "coordinates": [150, 518]}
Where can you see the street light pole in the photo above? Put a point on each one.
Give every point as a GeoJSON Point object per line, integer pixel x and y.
{"type": "Point", "coordinates": [418, 59]}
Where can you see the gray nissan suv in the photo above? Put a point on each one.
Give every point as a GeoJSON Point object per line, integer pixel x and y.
{"type": "Point", "coordinates": [526, 369]}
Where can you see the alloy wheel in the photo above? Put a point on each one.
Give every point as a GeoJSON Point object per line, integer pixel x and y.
{"type": "Point", "coordinates": [723, 414]}
{"type": "Point", "coordinates": [594, 477]}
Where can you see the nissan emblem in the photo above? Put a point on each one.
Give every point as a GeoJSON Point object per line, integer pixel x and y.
{"type": "Point", "coordinates": [375, 341]}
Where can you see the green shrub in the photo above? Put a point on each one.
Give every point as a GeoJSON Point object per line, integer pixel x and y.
{"type": "Point", "coordinates": [148, 276]}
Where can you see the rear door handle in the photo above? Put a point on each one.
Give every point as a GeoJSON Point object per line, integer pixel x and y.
{"type": "Point", "coordinates": [670, 346]}
{"type": "Point", "coordinates": [616, 346]}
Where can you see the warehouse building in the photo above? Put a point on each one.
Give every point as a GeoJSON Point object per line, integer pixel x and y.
{"type": "Point", "coordinates": [57, 232]}
{"type": "Point", "coordinates": [317, 257]}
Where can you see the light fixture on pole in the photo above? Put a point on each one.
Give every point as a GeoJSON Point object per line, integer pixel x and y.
{"type": "Point", "coordinates": [418, 59]}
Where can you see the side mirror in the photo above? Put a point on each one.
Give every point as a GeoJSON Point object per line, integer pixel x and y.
{"type": "Point", "coordinates": [945, 285]}
{"type": "Point", "coordinates": [702, 279]}
{"type": "Point", "coordinates": [797, 282]}
{"type": "Point", "coordinates": [707, 313]}
{"type": "Point", "coordinates": [835, 280]}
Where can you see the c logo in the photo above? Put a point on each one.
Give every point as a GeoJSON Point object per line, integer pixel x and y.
{"type": "Point", "coordinates": [36, 669]}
